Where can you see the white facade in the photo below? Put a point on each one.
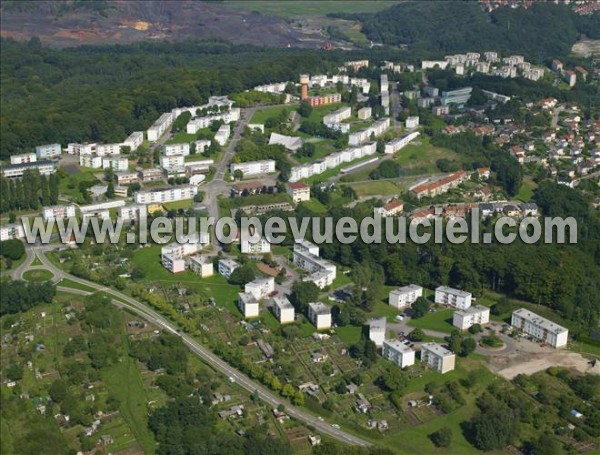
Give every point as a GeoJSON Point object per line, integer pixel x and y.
{"type": "Point", "coordinates": [202, 145]}
{"type": "Point", "coordinates": [108, 149]}
{"type": "Point", "coordinates": [254, 246]}
{"type": "Point", "coordinates": [260, 287]}
{"type": "Point", "coordinates": [321, 271]}
{"type": "Point", "coordinates": [12, 231]}
{"type": "Point", "coordinates": [397, 352]}
{"type": "Point", "coordinates": [364, 113]}
{"type": "Point", "coordinates": [222, 135]}
{"type": "Point", "coordinates": [405, 296]}
{"type": "Point", "coordinates": [116, 163]}
{"type": "Point", "coordinates": [182, 148]}
{"type": "Point", "coordinates": [338, 115]}
{"type": "Point", "coordinates": [253, 167]}
{"type": "Point", "coordinates": [284, 311]}
{"type": "Point", "coordinates": [399, 143]}
{"type": "Point", "coordinates": [299, 192]}
{"type": "Point", "coordinates": [412, 122]}
{"type": "Point", "coordinates": [227, 266]}
{"type": "Point", "coordinates": [173, 255]}
{"type": "Point", "coordinates": [198, 123]}
{"type": "Point", "coordinates": [160, 126]}
{"type": "Point", "coordinates": [377, 129]}
{"type": "Point", "coordinates": [17, 170]}
{"type": "Point", "coordinates": [437, 357]}
{"type": "Point", "coordinates": [377, 327]}
{"type": "Point", "coordinates": [131, 212]}
{"type": "Point", "coordinates": [93, 161]}
{"type": "Point", "coordinates": [202, 265]}
{"type": "Point", "coordinates": [248, 305]}
{"type": "Point", "coordinates": [169, 195]}
{"type": "Point", "coordinates": [453, 297]}
{"type": "Point", "coordinates": [320, 315]}
{"type": "Point", "coordinates": [477, 314]}
{"type": "Point", "coordinates": [46, 151]}
{"type": "Point", "coordinates": [540, 328]}
{"type": "Point", "coordinates": [134, 140]}
{"type": "Point", "coordinates": [172, 161]}
{"type": "Point", "coordinates": [23, 158]}
{"type": "Point", "coordinates": [125, 178]}
{"type": "Point", "coordinates": [58, 212]}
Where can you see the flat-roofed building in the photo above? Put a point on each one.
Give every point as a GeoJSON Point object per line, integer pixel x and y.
{"type": "Point", "coordinates": [405, 296]}
{"type": "Point", "coordinates": [540, 328]}
{"type": "Point", "coordinates": [253, 167]}
{"type": "Point", "coordinates": [44, 167]}
{"type": "Point", "coordinates": [320, 315]}
{"type": "Point", "coordinates": [377, 327]}
{"type": "Point", "coordinates": [56, 212]}
{"type": "Point", "coordinates": [299, 191]}
{"type": "Point", "coordinates": [227, 266]}
{"type": "Point", "coordinates": [180, 148]}
{"type": "Point", "coordinates": [200, 264]}
{"type": "Point", "coordinates": [283, 310]}
{"type": "Point", "coordinates": [397, 352]}
{"type": "Point", "coordinates": [117, 163]}
{"type": "Point", "coordinates": [93, 161]}
{"type": "Point", "coordinates": [160, 126]}
{"type": "Point", "coordinates": [198, 167]}
{"type": "Point", "coordinates": [150, 175]}
{"type": "Point", "coordinates": [260, 287]}
{"type": "Point", "coordinates": [23, 158]}
{"type": "Point", "coordinates": [254, 246]}
{"type": "Point", "coordinates": [178, 193]}
{"type": "Point", "coordinates": [172, 161]}
{"type": "Point", "coordinates": [364, 113]}
{"type": "Point", "coordinates": [412, 122]}
{"type": "Point", "coordinates": [248, 305]}
{"type": "Point", "coordinates": [437, 357]}
{"type": "Point", "coordinates": [306, 256]}
{"type": "Point", "coordinates": [134, 140]}
{"type": "Point", "coordinates": [222, 135]}
{"type": "Point", "coordinates": [399, 143]}
{"type": "Point", "coordinates": [131, 212]}
{"type": "Point", "coordinates": [108, 149]}
{"type": "Point", "coordinates": [48, 151]}
{"type": "Point", "coordinates": [476, 314]}
{"type": "Point", "coordinates": [12, 231]}
{"type": "Point", "coordinates": [174, 254]}
{"type": "Point", "coordinates": [126, 178]}
{"type": "Point", "coordinates": [457, 298]}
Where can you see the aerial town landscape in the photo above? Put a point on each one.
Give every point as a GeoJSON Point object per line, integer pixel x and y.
{"type": "Point", "coordinates": [133, 345]}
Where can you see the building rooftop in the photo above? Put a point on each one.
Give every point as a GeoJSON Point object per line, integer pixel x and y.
{"type": "Point", "coordinates": [319, 308]}
{"type": "Point", "coordinates": [298, 186]}
{"type": "Point", "coordinates": [540, 321]}
{"type": "Point", "coordinates": [228, 262]}
{"type": "Point", "coordinates": [457, 292]}
{"type": "Point", "coordinates": [32, 165]}
{"type": "Point", "coordinates": [247, 298]}
{"type": "Point", "coordinates": [408, 288]}
{"type": "Point", "coordinates": [437, 349]}
{"type": "Point", "coordinates": [472, 310]}
{"type": "Point", "coordinates": [397, 345]}
{"type": "Point", "coordinates": [282, 302]}
{"type": "Point", "coordinates": [377, 324]}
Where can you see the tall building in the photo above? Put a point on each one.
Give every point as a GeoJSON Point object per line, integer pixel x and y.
{"type": "Point", "coordinates": [304, 79]}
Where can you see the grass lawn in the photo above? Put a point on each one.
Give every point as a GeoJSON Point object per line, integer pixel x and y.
{"type": "Point", "coordinates": [421, 158]}
{"type": "Point", "coordinates": [67, 283]}
{"type": "Point", "coordinates": [349, 334]}
{"type": "Point", "coordinates": [315, 206]}
{"type": "Point", "coordinates": [526, 192]}
{"type": "Point", "coordinates": [293, 8]}
{"type": "Point", "coordinates": [376, 188]}
{"type": "Point", "coordinates": [69, 186]}
{"type": "Point", "coordinates": [125, 382]}
{"type": "Point", "coordinates": [38, 275]}
{"type": "Point", "coordinates": [181, 137]}
{"type": "Point", "coordinates": [185, 204]}
{"type": "Point", "coordinates": [440, 321]}
{"type": "Point", "coordinates": [260, 116]}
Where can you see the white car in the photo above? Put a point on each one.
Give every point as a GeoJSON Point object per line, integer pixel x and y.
{"type": "Point", "coordinates": [335, 425]}
{"type": "Point", "coordinates": [231, 379]}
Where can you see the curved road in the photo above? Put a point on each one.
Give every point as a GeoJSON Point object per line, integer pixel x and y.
{"type": "Point", "coordinates": [150, 315]}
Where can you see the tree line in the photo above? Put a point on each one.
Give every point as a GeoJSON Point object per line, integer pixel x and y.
{"type": "Point", "coordinates": [28, 193]}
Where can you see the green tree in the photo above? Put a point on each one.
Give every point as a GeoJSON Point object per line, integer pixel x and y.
{"type": "Point", "coordinates": [467, 346]}
{"type": "Point", "coordinates": [420, 308]}
{"type": "Point", "coordinates": [416, 335]}
{"type": "Point", "coordinates": [58, 390]}
{"type": "Point", "coordinates": [442, 437]}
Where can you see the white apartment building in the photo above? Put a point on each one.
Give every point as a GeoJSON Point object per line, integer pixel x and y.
{"type": "Point", "coordinates": [306, 256]}
{"type": "Point", "coordinates": [172, 161]}
{"type": "Point", "coordinates": [17, 170]}
{"type": "Point", "coordinates": [260, 287]}
{"type": "Point", "coordinates": [56, 212]}
{"type": "Point", "coordinates": [299, 192]}
{"type": "Point", "coordinates": [400, 142]}
{"type": "Point", "coordinates": [182, 148]}
{"type": "Point", "coordinates": [540, 328]}
{"type": "Point", "coordinates": [202, 265]}
{"type": "Point", "coordinates": [108, 149]}
{"type": "Point", "coordinates": [364, 113]}
{"type": "Point", "coordinates": [202, 145]}
{"type": "Point", "coordinates": [377, 327]}
{"type": "Point", "coordinates": [437, 357]}
{"type": "Point", "coordinates": [93, 161]}
{"type": "Point", "coordinates": [397, 352]}
{"type": "Point", "coordinates": [222, 135]}
{"type": "Point", "coordinates": [125, 178]}
{"type": "Point", "coordinates": [375, 130]}
{"type": "Point", "coordinates": [169, 195]}
{"type": "Point", "coordinates": [320, 315]}
{"type": "Point", "coordinates": [476, 314]}
{"type": "Point", "coordinates": [254, 245]}
{"type": "Point", "coordinates": [253, 167]}
{"type": "Point", "coordinates": [173, 255]}
{"type": "Point", "coordinates": [117, 163]}
{"type": "Point", "coordinates": [198, 123]}
{"type": "Point", "coordinates": [131, 212]}
{"type": "Point", "coordinates": [338, 115]}
{"type": "Point", "coordinates": [454, 297]}
{"type": "Point", "coordinates": [284, 311]}
{"type": "Point", "coordinates": [160, 126]}
{"type": "Point", "coordinates": [405, 296]}
{"type": "Point", "coordinates": [248, 305]}
{"type": "Point", "coordinates": [134, 140]}
{"type": "Point", "coordinates": [227, 266]}
{"type": "Point", "coordinates": [412, 122]}
{"type": "Point", "coordinates": [12, 231]}
{"type": "Point", "coordinates": [23, 158]}
{"type": "Point", "coordinates": [198, 167]}
{"type": "Point", "coordinates": [47, 151]}
{"type": "Point", "coordinates": [99, 210]}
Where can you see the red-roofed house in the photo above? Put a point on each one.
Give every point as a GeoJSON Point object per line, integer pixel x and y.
{"type": "Point", "coordinates": [440, 186]}
{"type": "Point", "coordinates": [393, 207]}
{"type": "Point", "coordinates": [299, 191]}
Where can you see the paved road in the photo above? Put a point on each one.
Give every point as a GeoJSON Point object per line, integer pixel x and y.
{"type": "Point", "coordinates": [151, 316]}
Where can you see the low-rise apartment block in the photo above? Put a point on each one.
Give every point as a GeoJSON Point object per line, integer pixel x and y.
{"type": "Point", "coordinates": [200, 264]}
{"type": "Point", "coordinates": [182, 148]}
{"type": "Point", "coordinates": [150, 175]}
{"type": "Point", "coordinates": [248, 305]}
{"type": "Point", "coordinates": [445, 295]}
{"type": "Point", "coordinates": [172, 161]}
{"type": "Point", "coordinates": [398, 353]}
{"type": "Point", "coordinates": [377, 327]}
{"type": "Point", "coordinates": [174, 255]}
{"type": "Point", "coordinates": [131, 212]}
{"type": "Point", "coordinates": [93, 161]}
{"type": "Point", "coordinates": [540, 328]}
{"type": "Point", "coordinates": [222, 135]}
{"type": "Point", "coordinates": [477, 314]}
{"type": "Point", "coordinates": [253, 167]}
{"type": "Point", "coordinates": [160, 126]}
{"type": "Point", "coordinates": [299, 191]}
{"type": "Point", "coordinates": [254, 246]}
{"type": "Point", "coordinates": [227, 266]}
{"type": "Point", "coordinates": [405, 296]}
{"type": "Point", "coordinates": [56, 212]}
{"type": "Point", "coordinates": [364, 113]}
{"type": "Point", "coordinates": [439, 186]}
{"type": "Point", "coordinates": [108, 149]}
{"type": "Point", "coordinates": [306, 256]}
{"type": "Point", "coordinates": [367, 134]}
{"type": "Point", "coordinates": [438, 357]}
{"type": "Point", "coordinates": [48, 151]}
{"type": "Point", "coordinates": [399, 143]}
{"type": "Point", "coordinates": [44, 167]}
{"type": "Point", "coordinates": [320, 315]}
{"type": "Point", "coordinates": [134, 140]}
{"type": "Point", "coordinates": [12, 231]}
{"type": "Point", "coordinates": [284, 311]}
{"type": "Point", "coordinates": [126, 178]}
{"type": "Point", "coordinates": [260, 287]}
{"type": "Point", "coordinates": [117, 163]}
{"type": "Point", "coordinates": [23, 158]}
{"type": "Point", "coordinates": [179, 193]}
{"type": "Point", "coordinates": [412, 122]}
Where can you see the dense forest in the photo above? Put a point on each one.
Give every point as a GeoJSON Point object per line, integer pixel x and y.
{"type": "Point", "coordinates": [103, 93]}
{"type": "Point", "coordinates": [464, 26]}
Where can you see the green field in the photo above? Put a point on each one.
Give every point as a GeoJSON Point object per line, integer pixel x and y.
{"type": "Point", "coordinates": [186, 204]}
{"type": "Point", "coordinates": [67, 283]}
{"type": "Point", "coordinates": [376, 188]}
{"type": "Point", "coordinates": [38, 275]}
{"type": "Point", "coordinates": [262, 115]}
{"type": "Point", "coordinates": [181, 137]}
{"type": "Point", "coordinates": [526, 192]}
{"type": "Point", "coordinates": [69, 186]}
{"type": "Point", "coordinates": [291, 8]}
{"type": "Point", "coordinates": [420, 157]}
{"type": "Point", "coordinates": [440, 321]}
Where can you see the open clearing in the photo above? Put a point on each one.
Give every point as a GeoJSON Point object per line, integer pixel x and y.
{"type": "Point", "coordinates": [292, 8]}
